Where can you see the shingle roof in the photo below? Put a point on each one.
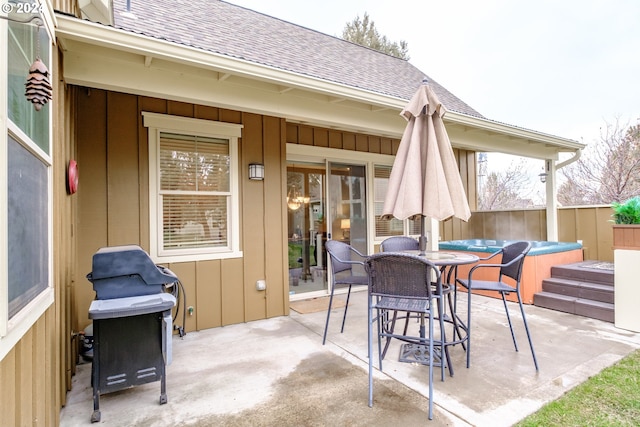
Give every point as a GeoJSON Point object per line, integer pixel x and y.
{"type": "Point", "coordinates": [234, 31]}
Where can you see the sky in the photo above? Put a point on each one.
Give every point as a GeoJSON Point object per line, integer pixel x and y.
{"type": "Point", "coordinates": [562, 67]}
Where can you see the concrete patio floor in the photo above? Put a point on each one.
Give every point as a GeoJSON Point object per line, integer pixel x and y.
{"type": "Point", "coordinates": [276, 372]}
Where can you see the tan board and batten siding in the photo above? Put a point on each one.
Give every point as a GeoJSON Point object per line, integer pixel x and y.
{"type": "Point", "coordinates": [113, 203]}
{"type": "Point", "coordinates": [113, 206]}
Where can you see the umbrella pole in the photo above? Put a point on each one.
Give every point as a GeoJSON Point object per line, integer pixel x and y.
{"type": "Point", "coordinates": [423, 236]}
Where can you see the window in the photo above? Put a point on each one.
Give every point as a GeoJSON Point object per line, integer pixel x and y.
{"type": "Point", "coordinates": [26, 267]}
{"type": "Point", "coordinates": [28, 207]}
{"type": "Point", "coordinates": [388, 227]}
{"type": "Point", "coordinates": [384, 227]}
{"type": "Point", "coordinates": [193, 185]}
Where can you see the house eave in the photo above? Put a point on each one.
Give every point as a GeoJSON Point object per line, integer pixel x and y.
{"type": "Point", "coordinates": [239, 84]}
{"type": "Point", "coordinates": [561, 143]}
{"type": "Point", "coordinates": [113, 38]}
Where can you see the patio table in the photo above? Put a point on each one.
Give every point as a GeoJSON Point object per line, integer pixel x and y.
{"type": "Point", "coordinates": [447, 261]}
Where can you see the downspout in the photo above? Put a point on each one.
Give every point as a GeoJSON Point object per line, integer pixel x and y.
{"type": "Point", "coordinates": [552, 194]}
{"type": "Point", "coordinates": [575, 158]}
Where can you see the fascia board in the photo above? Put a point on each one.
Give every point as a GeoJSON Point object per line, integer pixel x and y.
{"type": "Point", "coordinates": [97, 10]}
{"type": "Point", "coordinates": [487, 141]}
{"type": "Point", "coordinates": [122, 75]}
{"type": "Point", "coordinates": [562, 144]}
{"type": "Point", "coordinates": [113, 38]}
{"type": "Point", "coordinates": [519, 140]}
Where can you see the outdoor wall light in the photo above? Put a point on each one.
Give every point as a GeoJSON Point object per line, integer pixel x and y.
{"type": "Point", "coordinates": [256, 171]}
{"type": "Point", "coordinates": [543, 177]}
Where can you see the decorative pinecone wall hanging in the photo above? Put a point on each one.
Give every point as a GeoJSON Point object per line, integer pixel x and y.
{"type": "Point", "coordinates": [38, 87]}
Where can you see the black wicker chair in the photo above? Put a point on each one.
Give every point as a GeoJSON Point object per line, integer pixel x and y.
{"type": "Point", "coordinates": [399, 243]}
{"type": "Point", "coordinates": [513, 256]}
{"type": "Point", "coordinates": [342, 262]}
{"type": "Point", "coordinates": [406, 243]}
{"type": "Point", "coordinates": [404, 282]}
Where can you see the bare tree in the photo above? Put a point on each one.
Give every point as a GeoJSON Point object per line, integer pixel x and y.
{"type": "Point", "coordinates": [608, 171]}
{"type": "Point", "coordinates": [364, 33]}
{"type": "Point", "coordinates": [504, 189]}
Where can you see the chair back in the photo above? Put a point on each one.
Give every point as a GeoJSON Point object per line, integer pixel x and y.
{"type": "Point", "coordinates": [404, 275]}
{"type": "Point", "coordinates": [515, 251]}
{"type": "Point", "coordinates": [399, 243]}
{"type": "Point", "coordinates": [338, 253]}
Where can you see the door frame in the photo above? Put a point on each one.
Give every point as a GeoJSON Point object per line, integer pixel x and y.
{"type": "Point", "coordinates": [311, 154]}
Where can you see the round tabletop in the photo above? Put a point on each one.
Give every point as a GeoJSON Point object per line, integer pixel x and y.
{"type": "Point", "coordinates": [447, 258]}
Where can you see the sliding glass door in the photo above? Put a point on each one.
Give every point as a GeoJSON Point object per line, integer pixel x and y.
{"type": "Point", "coordinates": [324, 201]}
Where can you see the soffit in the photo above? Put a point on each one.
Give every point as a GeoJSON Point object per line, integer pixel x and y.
{"type": "Point", "coordinates": [104, 57]}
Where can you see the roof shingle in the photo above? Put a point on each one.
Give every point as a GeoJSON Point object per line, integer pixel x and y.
{"type": "Point", "coordinates": [234, 31]}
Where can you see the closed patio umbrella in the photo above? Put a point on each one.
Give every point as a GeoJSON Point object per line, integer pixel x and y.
{"type": "Point", "coordinates": [425, 180]}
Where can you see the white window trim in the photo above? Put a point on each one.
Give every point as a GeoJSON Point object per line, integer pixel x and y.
{"type": "Point", "coordinates": [12, 330]}
{"type": "Point", "coordinates": [297, 152]}
{"type": "Point", "coordinates": [6, 342]}
{"type": "Point", "coordinates": [157, 123]}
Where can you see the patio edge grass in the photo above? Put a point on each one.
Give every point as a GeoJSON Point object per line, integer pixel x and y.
{"type": "Point", "coordinates": [610, 398]}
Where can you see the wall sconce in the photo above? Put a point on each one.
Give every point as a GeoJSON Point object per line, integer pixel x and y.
{"type": "Point", "coordinates": [543, 177]}
{"type": "Point", "coordinates": [256, 171]}
{"type": "Point", "coordinates": [345, 226]}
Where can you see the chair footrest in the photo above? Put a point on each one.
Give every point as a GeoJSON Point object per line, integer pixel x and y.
{"type": "Point", "coordinates": [403, 304]}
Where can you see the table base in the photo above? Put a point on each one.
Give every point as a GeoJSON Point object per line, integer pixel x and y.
{"type": "Point", "coordinates": [419, 353]}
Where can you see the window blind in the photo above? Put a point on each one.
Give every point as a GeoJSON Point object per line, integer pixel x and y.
{"type": "Point", "coordinates": [384, 227]}
{"type": "Point", "coordinates": [194, 191]}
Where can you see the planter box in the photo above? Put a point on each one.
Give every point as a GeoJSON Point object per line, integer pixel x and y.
{"type": "Point", "coordinates": [626, 236]}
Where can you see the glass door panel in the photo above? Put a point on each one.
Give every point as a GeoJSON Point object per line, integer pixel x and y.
{"type": "Point", "coordinates": [307, 231]}
{"type": "Point", "coordinates": [347, 205]}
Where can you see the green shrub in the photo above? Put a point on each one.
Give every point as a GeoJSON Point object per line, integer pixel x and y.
{"type": "Point", "coordinates": [627, 212]}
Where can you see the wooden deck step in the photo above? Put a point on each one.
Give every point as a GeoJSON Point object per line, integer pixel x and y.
{"type": "Point", "coordinates": [586, 271]}
{"type": "Point", "coordinates": [582, 307]}
{"type": "Point", "coordinates": [584, 288]}
{"type": "Point", "coordinates": [579, 289]}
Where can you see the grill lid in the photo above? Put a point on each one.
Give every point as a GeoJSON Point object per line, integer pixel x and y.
{"type": "Point", "coordinates": [128, 260]}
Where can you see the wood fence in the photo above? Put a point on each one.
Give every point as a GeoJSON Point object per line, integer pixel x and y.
{"type": "Point", "coordinates": [589, 224]}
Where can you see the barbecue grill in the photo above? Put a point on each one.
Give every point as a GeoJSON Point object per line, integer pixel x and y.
{"type": "Point", "coordinates": [132, 324]}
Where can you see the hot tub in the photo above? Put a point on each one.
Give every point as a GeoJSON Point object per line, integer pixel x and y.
{"type": "Point", "coordinates": [537, 265]}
